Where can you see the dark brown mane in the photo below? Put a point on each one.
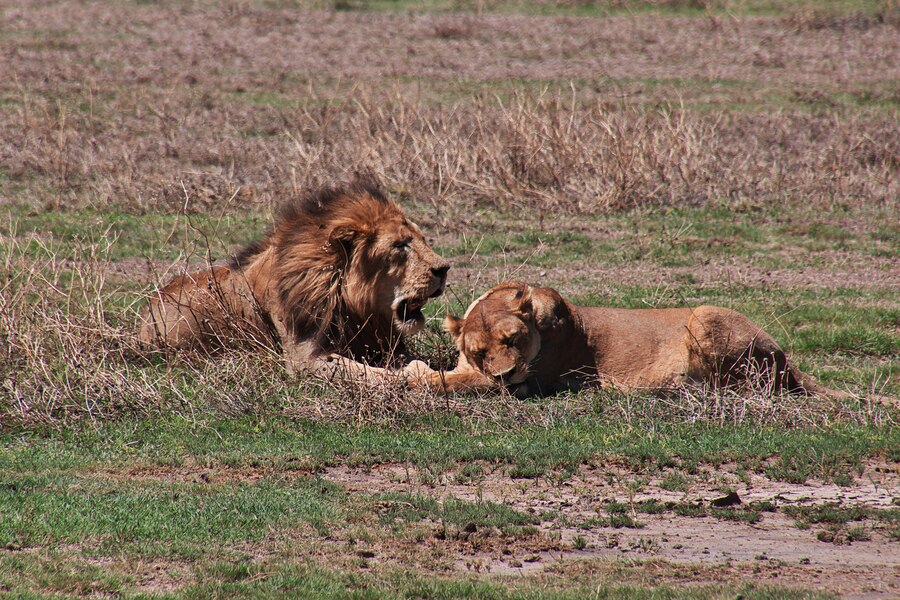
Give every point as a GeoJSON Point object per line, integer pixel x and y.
{"type": "Point", "coordinates": [316, 207]}
{"type": "Point", "coordinates": [322, 204]}
{"type": "Point", "coordinates": [341, 272]}
{"type": "Point", "coordinates": [311, 266]}
{"type": "Point", "coordinates": [245, 256]}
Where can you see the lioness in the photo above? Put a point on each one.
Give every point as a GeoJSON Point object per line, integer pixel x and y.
{"type": "Point", "coordinates": [534, 341]}
{"type": "Point", "coordinates": [339, 281]}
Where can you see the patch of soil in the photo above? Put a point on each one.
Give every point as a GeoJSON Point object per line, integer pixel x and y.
{"type": "Point", "coordinates": [193, 472]}
{"type": "Point", "coordinates": [774, 549]}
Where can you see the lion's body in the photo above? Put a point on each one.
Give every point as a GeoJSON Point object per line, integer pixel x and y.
{"type": "Point", "coordinates": [535, 341]}
{"type": "Point", "coordinates": [207, 310]}
{"type": "Point", "coordinates": [343, 273]}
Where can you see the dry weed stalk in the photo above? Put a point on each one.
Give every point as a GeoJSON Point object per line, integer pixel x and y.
{"type": "Point", "coordinates": [744, 405]}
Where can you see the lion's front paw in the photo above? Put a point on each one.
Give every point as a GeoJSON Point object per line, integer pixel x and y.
{"type": "Point", "coordinates": [417, 370]}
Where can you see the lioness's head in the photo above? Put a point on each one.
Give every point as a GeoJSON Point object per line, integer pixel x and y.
{"type": "Point", "coordinates": [498, 334]}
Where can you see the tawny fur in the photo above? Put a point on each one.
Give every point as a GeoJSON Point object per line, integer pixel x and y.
{"type": "Point", "coordinates": [536, 342]}
{"type": "Point", "coordinates": [343, 275]}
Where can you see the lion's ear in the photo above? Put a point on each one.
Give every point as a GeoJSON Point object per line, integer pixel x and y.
{"type": "Point", "coordinates": [549, 308]}
{"type": "Point", "coordinates": [344, 234]}
{"type": "Point", "coordinates": [346, 237]}
{"type": "Point", "coordinates": [453, 326]}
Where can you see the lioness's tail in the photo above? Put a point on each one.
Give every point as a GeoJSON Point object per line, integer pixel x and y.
{"type": "Point", "coordinates": [806, 384]}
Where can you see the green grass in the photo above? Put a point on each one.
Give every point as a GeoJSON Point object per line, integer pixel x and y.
{"type": "Point", "coordinates": [154, 518]}
{"type": "Point", "coordinates": [298, 580]}
{"type": "Point", "coordinates": [452, 514]}
{"type": "Point", "coordinates": [676, 237]}
{"type": "Point", "coordinates": [833, 513]}
{"type": "Point", "coordinates": [87, 504]}
{"type": "Point", "coordinates": [284, 445]}
{"type": "Point", "coordinates": [124, 235]}
{"type": "Point", "coordinates": [543, 248]}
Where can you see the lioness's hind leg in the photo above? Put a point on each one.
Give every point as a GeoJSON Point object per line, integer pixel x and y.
{"type": "Point", "coordinates": [726, 347]}
{"type": "Point", "coordinates": [766, 365]}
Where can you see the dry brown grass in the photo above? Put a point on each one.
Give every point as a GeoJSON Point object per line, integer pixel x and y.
{"type": "Point", "coordinates": [70, 354]}
{"type": "Point", "coordinates": [546, 151]}
{"type": "Point", "coordinates": [69, 357]}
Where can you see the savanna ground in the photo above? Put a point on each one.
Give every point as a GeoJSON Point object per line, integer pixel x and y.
{"type": "Point", "coordinates": [738, 153]}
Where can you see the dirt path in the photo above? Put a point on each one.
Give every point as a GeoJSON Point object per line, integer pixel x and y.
{"type": "Point", "coordinates": [773, 550]}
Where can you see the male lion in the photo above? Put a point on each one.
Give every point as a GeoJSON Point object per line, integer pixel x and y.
{"type": "Point", "coordinates": [338, 282]}
{"type": "Point", "coordinates": [536, 342]}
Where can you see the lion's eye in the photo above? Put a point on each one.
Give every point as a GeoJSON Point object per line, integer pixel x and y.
{"type": "Point", "coordinates": [402, 245]}
{"type": "Point", "coordinates": [511, 340]}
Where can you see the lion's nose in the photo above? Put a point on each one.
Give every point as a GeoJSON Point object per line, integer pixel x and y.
{"type": "Point", "coordinates": [441, 272]}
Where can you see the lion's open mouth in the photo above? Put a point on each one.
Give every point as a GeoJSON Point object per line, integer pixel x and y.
{"type": "Point", "coordinates": [409, 311]}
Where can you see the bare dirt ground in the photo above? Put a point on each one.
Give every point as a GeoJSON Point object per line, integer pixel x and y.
{"type": "Point", "coordinates": [774, 549]}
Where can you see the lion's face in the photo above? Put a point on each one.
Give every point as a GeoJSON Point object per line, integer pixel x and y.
{"type": "Point", "coordinates": [497, 335]}
{"type": "Point", "coordinates": [399, 271]}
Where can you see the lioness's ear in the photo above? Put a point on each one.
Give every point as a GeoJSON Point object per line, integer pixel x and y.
{"type": "Point", "coordinates": [549, 308]}
{"type": "Point", "coordinates": [525, 307]}
{"type": "Point", "coordinates": [453, 326]}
